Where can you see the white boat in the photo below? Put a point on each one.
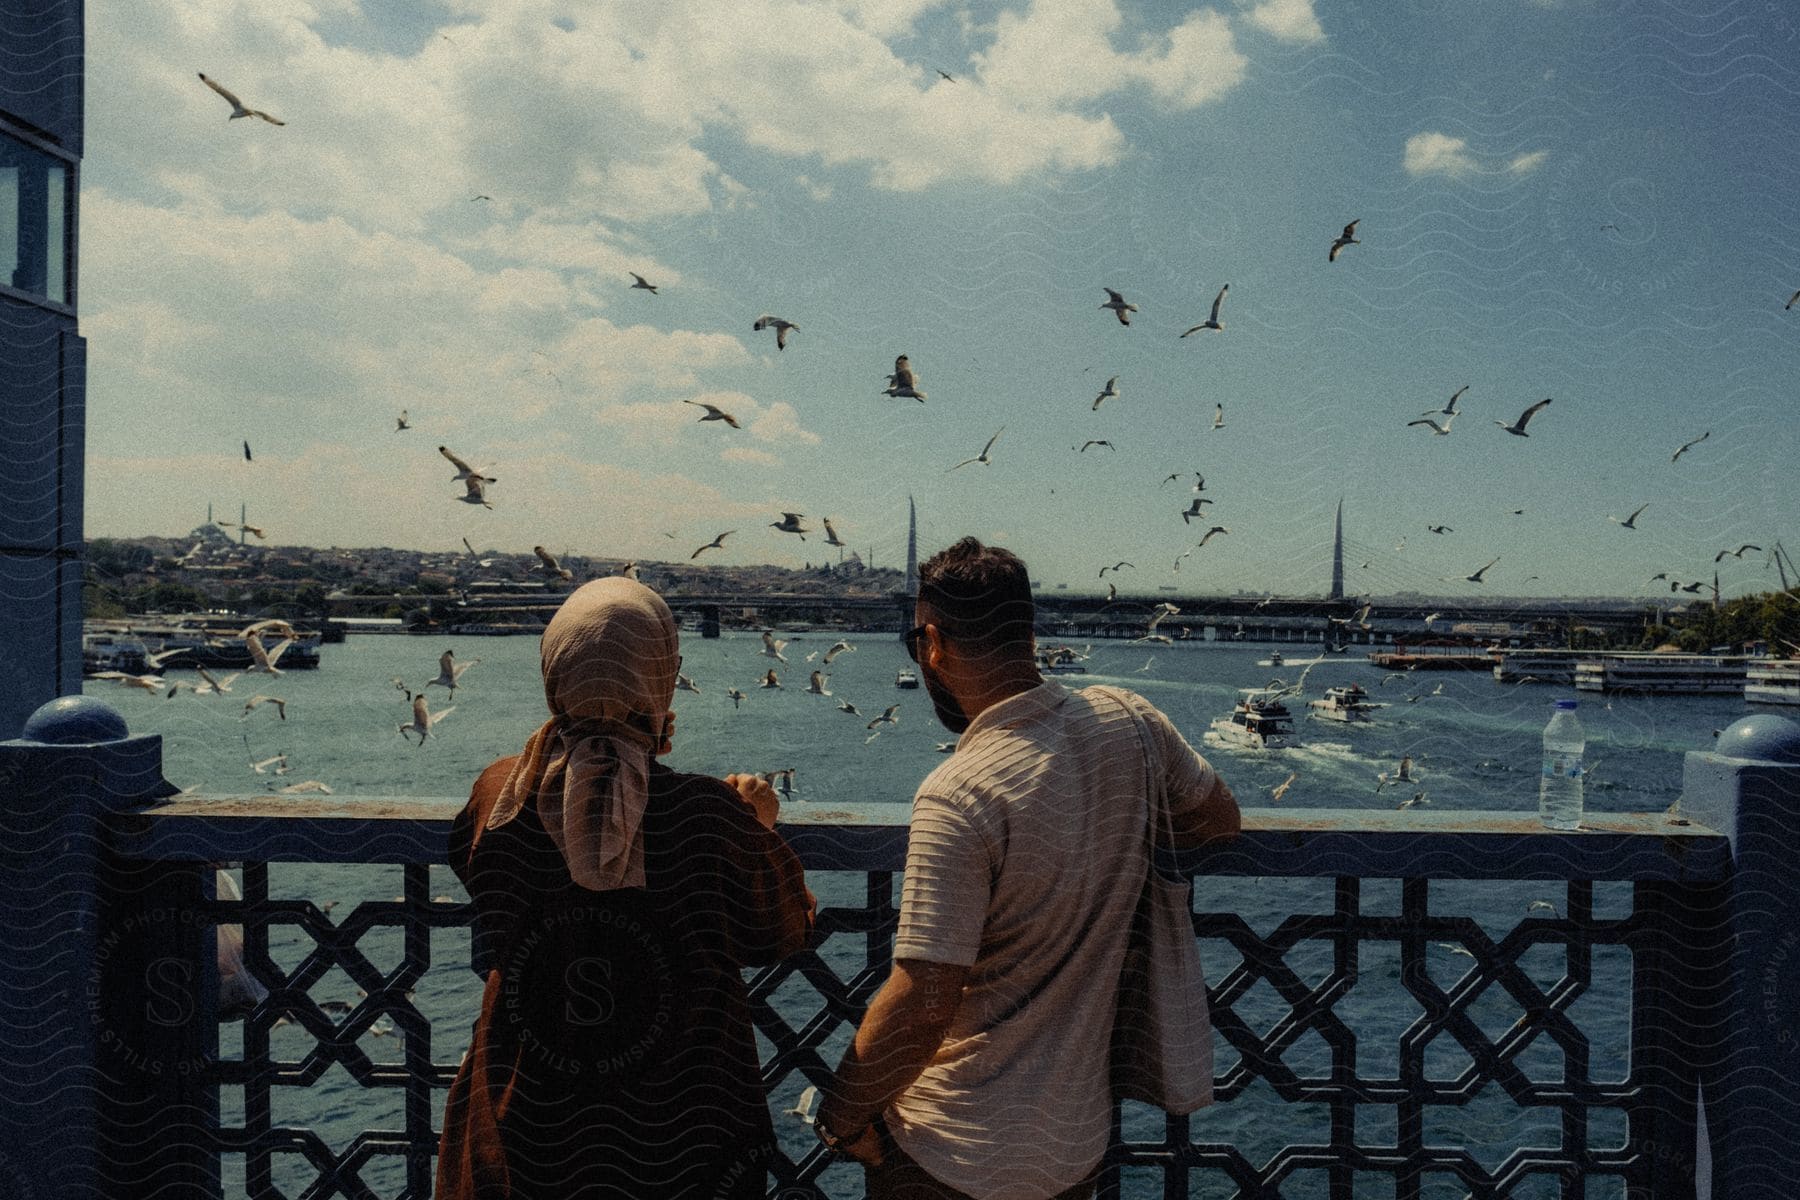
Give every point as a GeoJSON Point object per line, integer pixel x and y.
{"type": "Point", "coordinates": [114, 652]}
{"type": "Point", "coordinates": [905, 678]}
{"type": "Point", "coordinates": [1060, 660]}
{"type": "Point", "coordinates": [1275, 659]}
{"type": "Point", "coordinates": [1349, 703]}
{"type": "Point", "coordinates": [1260, 721]}
{"type": "Point", "coordinates": [1538, 666]}
{"type": "Point", "coordinates": [1664, 674]}
{"type": "Point", "coordinates": [1773, 681]}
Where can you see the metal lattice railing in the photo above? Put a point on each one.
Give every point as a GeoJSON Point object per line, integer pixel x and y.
{"type": "Point", "coordinates": [1478, 1022]}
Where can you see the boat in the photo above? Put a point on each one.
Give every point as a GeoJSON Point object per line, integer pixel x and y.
{"type": "Point", "coordinates": [1664, 674]}
{"type": "Point", "coordinates": [493, 629]}
{"type": "Point", "coordinates": [1259, 721]}
{"type": "Point", "coordinates": [1773, 681]}
{"type": "Point", "coordinates": [1555, 665]}
{"type": "Point", "coordinates": [1432, 656]}
{"type": "Point", "coordinates": [1060, 660]}
{"type": "Point", "coordinates": [114, 652]}
{"type": "Point", "coordinates": [208, 643]}
{"type": "Point", "coordinates": [1348, 703]}
{"type": "Point", "coordinates": [905, 678]}
{"type": "Point", "coordinates": [1275, 659]}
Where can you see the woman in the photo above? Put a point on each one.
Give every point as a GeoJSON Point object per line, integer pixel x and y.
{"type": "Point", "coordinates": [616, 902]}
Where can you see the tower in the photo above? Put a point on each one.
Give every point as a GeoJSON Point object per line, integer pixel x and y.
{"type": "Point", "coordinates": [1337, 555]}
{"type": "Point", "coordinates": [912, 548]}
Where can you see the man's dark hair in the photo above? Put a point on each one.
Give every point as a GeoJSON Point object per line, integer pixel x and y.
{"type": "Point", "coordinates": [980, 596]}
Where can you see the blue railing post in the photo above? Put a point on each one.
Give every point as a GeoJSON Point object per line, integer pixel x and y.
{"type": "Point", "coordinates": [97, 990]}
{"type": "Point", "coordinates": [1747, 1041]}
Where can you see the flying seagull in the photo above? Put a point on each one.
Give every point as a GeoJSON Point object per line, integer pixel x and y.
{"type": "Point", "coordinates": [1110, 391]}
{"type": "Point", "coordinates": [736, 696]}
{"type": "Point", "coordinates": [1518, 427]}
{"type": "Point", "coordinates": [780, 327]}
{"type": "Point", "coordinates": [717, 543]}
{"type": "Point", "coordinates": [1122, 564]}
{"type": "Point", "coordinates": [401, 423]}
{"type": "Point", "coordinates": [1449, 410]}
{"type": "Point", "coordinates": [773, 646]}
{"type": "Point", "coordinates": [1346, 238]}
{"type": "Point", "coordinates": [1439, 529]}
{"type": "Point", "coordinates": [450, 672]}
{"type": "Point", "coordinates": [1082, 449]}
{"type": "Point", "coordinates": [463, 469]}
{"type": "Point", "coordinates": [423, 719]}
{"type": "Point", "coordinates": [816, 684]}
{"type": "Point", "coordinates": [1120, 308]}
{"type": "Point", "coordinates": [901, 383]}
{"type": "Point", "coordinates": [1476, 577]}
{"type": "Point", "coordinates": [1193, 510]}
{"type": "Point", "coordinates": [790, 523]}
{"type": "Point", "coordinates": [1439, 430]}
{"type": "Point", "coordinates": [831, 537]}
{"type": "Point", "coordinates": [237, 106]}
{"type": "Point", "coordinates": [1212, 322]}
{"type": "Point", "coordinates": [1631, 521]}
{"type": "Point", "coordinates": [714, 413]}
{"type": "Point", "coordinates": [947, 76]}
{"type": "Point", "coordinates": [981, 458]}
{"type": "Point", "coordinates": [1208, 535]}
{"type": "Point", "coordinates": [642, 282]}
{"type": "Point", "coordinates": [475, 491]}
{"type": "Point", "coordinates": [770, 680]}
{"type": "Point", "coordinates": [549, 566]}
{"type": "Point", "coordinates": [1738, 553]}
{"type": "Point", "coordinates": [1218, 416]}
{"type": "Point", "coordinates": [685, 683]}
{"type": "Point", "coordinates": [889, 716]}
{"type": "Point", "coordinates": [258, 701]}
{"type": "Point", "coordinates": [1785, 307]}
{"type": "Point", "coordinates": [1690, 445]}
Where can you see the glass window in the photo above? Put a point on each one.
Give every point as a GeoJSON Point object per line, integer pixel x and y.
{"type": "Point", "coordinates": [34, 189]}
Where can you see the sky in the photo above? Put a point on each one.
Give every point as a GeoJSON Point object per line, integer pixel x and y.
{"type": "Point", "coordinates": [1592, 201]}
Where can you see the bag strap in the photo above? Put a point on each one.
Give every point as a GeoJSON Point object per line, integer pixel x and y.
{"type": "Point", "coordinates": [1156, 795]}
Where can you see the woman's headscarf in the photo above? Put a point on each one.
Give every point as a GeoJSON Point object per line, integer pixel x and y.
{"type": "Point", "coordinates": [609, 661]}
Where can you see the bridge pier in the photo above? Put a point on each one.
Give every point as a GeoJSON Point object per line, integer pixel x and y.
{"type": "Point", "coordinates": [709, 620]}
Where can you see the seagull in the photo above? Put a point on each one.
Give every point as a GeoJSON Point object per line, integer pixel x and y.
{"type": "Point", "coordinates": [279, 763]}
{"type": "Point", "coordinates": [1439, 430]}
{"type": "Point", "coordinates": [1212, 322]}
{"type": "Point", "coordinates": [215, 686]}
{"type": "Point", "coordinates": [714, 413]}
{"type": "Point", "coordinates": [1346, 238]}
{"type": "Point", "coordinates": [816, 684]}
{"type": "Point", "coordinates": [550, 566]}
{"type": "Point", "coordinates": [773, 646]}
{"type": "Point", "coordinates": [237, 106]}
{"type": "Point", "coordinates": [423, 719]}
{"type": "Point", "coordinates": [981, 458]}
{"type": "Point", "coordinates": [468, 547]}
{"type": "Point", "coordinates": [1439, 529]}
{"type": "Point", "coordinates": [1453, 948]}
{"type": "Point", "coordinates": [1082, 449]}
{"type": "Point", "coordinates": [1449, 410]}
{"type": "Point", "coordinates": [1193, 509]}
{"type": "Point", "coordinates": [450, 672]}
{"type": "Point", "coordinates": [259, 700]}
{"type": "Point", "coordinates": [1690, 445]}
{"type": "Point", "coordinates": [1208, 535]}
{"type": "Point", "coordinates": [1738, 553]}
{"type": "Point", "coordinates": [1664, 575]}
{"type": "Point", "coordinates": [804, 1106]}
{"type": "Point", "coordinates": [889, 716]}
{"type": "Point", "coordinates": [780, 327]}
{"type": "Point", "coordinates": [300, 789]}
{"type": "Point", "coordinates": [770, 680]}
{"type": "Point", "coordinates": [831, 537]}
{"type": "Point", "coordinates": [1436, 616]}
{"type": "Point", "coordinates": [1417, 798]}
{"type": "Point", "coordinates": [1543, 904]}
{"type": "Point", "coordinates": [150, 683]}
{"type": "Point", "coordinates": [1109, 392]}
{"type": "Point", "coordinates": [247, 457]}
{"type": "Point", "coordinates": [1147, 663]}
{"type": "Point", "coordinates": [1784, 308]}
{"type": "Point", "coordinates": [1476, 577]}
{"type": "Point", "coordinates": [736, 696]}
{"type": "Point", "coordinates": [629, 571]}
{"type": "Point", "coordinates": [1112, 592]}
{"type": "Point", "coordinates": [945, 747]}
{"type": "Point", "coordinates": [1631, 521]}
{"type": "Point", "coordinates": [790, 523]}
{"type": "Point", "coordinates": [948, 78]}
{"type": "Point", "coordinates": [401, 422]}
{"type": "Point", "coordinates": [463, 469]}
{"type": "Point", "coordinates": [262, 659]}
{"type": "Point", "coordinates": [1120, 308]}
{"type": "Point", "coordinates": [840, 647]}
{"type": "Point", "coordinates": [1121, 565]}
{"type": "Point", "coordinates": [901, 382]}
{"type": "Point", "coordinates": [475, 491]}
{"type": "Point", "coordinates": [685, 683]}
{"type": "Point", "coordinates": [1218, 416]}
{"type": "Point", "coordinates": [1518, 427]}
{"type": "Point", "coordinates": [717, 543]}
{"type": "Point", "coordinates": [642, 282]}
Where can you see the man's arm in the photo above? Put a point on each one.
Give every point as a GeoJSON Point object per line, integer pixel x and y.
{"type": "Point", "coordinates": [1213, 819]}
{"type": "Point", "coordinates": [905, 1024]}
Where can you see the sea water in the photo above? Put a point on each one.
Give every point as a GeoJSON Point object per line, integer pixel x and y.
{"type": "Point", "coordinates": [1475, 744]}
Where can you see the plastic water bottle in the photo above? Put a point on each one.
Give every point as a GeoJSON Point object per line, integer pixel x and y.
{"type": "Point", "coordinates": [1559, 791]}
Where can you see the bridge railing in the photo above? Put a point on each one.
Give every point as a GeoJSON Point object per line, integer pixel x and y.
{"type": "Point", "coordinates": [1407, 1004]}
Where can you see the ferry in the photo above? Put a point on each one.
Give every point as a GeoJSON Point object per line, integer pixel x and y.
{"type": "Point", "coordinates": [114, 652]}
{"type": "Point", "coordinates": [1553, 665]}
{"type": "Point", "coordinates": [1275, 659]}
{"type": "Point", "coordinates": [1773, 681]}
{"type": "Point", "coordinates": [208, 643]}
{"type": "Point", "coordinates": [1260, 721]}
{"type": "Point", "coordinates": [1347, 704]}
{"type": "Point", "coordinates": [906, 678]}
{"type": "Point", "coordinates": [1060, 660]}
{"type": "Point", "coordinates": [1663, 674]}
{"type": "Point", "coordinates": [492, 629]}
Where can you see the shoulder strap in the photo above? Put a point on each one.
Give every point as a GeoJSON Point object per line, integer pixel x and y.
{"type": "Point", "coordinates": [1155, 803]}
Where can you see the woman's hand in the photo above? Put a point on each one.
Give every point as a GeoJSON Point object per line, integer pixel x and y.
{"type": "Point", "coordinates": [755, 791]}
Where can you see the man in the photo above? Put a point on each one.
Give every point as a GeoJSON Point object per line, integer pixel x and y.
{"type": "Point", "coordinates": [982, 1066]}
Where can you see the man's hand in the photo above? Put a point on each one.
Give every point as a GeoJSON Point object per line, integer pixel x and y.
{"type": "Point", "coordinates": [755, 791]}
{"type": "Point", "coordinates": [865, 1149]}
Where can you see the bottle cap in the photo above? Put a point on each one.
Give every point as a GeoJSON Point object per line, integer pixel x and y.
{"type": "Point", "coordinates": [1565, 706]}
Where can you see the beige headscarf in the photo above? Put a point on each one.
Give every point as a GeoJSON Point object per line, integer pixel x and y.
{"type": "Point", "coordinates": [609, 660]}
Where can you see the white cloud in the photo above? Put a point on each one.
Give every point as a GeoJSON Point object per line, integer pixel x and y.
{"type": "Point", "coordinates": [782, 424]}
{"type": "Point", "coordinates": [749, 454]}
{"type": "Point", "coordinates": [1289, 20]}
{"type": "Point", "coordinates": [1438, 154]}
{"type": "Point", "coordinates": [1526, 163]}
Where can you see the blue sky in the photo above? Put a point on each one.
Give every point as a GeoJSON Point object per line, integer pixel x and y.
{"type": "Point", "coordinates": [1593, 202]}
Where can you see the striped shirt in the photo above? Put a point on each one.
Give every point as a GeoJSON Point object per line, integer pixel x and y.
{"type": "Point", "coordinates": [1025, 863]}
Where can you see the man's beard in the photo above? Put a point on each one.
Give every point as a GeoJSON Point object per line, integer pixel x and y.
{"type": "Point", "coordinates": [949, 713]}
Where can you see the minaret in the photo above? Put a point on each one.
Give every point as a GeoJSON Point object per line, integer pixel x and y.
{"type": "Point", "coordinates": [912, 548]}
{"type": "Point", "coordinates": [243, 515]}
{"type": "Point", "coordinates": [1337, 555]}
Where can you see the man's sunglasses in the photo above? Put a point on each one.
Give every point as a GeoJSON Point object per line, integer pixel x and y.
{"type": "Point", "coordinates": [911, 638]}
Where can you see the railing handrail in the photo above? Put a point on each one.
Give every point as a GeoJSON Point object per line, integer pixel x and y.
{"type": "Point", "coordinates": [1318, 842]}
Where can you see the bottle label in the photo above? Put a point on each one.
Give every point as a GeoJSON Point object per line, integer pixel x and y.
{"type": "Point", "coordinates": [1558, 767]}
